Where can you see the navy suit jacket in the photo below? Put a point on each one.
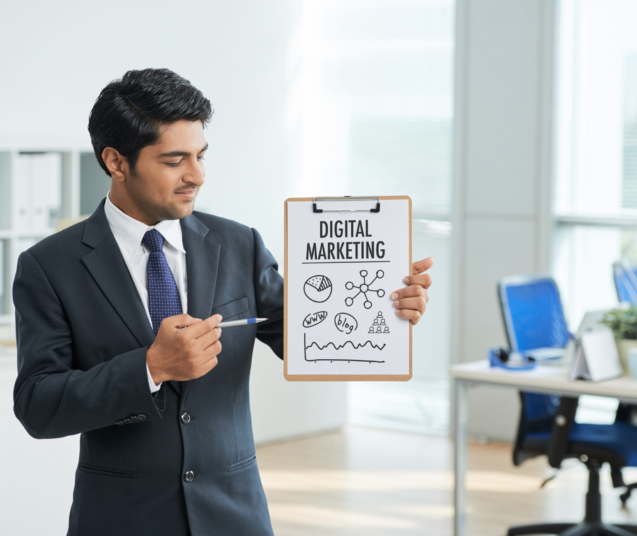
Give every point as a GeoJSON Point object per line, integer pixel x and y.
{"type": "Point", "coordinates": [82, 335]}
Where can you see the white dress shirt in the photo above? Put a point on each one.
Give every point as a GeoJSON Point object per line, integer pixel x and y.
{"type": "Point", "coordinates": [128, 233]}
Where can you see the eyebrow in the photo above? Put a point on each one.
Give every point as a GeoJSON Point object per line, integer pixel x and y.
{"type": "Point", "coordinates": [180, 153]}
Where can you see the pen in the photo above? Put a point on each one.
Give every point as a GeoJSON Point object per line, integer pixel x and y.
{"type": "Point", "coordinates": [243, 322]}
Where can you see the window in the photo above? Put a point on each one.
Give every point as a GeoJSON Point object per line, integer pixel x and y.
{"type": "Point", "coordinates": [371, 111]}
{"type": "Point", "coordinates": [596, 193]}
{"type": "Point", "coordinates": [596, 201]}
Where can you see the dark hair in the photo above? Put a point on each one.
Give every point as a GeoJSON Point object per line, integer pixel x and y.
{"type": "Point", "coordinates": [127, 114]}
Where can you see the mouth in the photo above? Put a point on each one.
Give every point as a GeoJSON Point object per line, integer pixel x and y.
{"type": "Point", "coordinates": [187, 194]}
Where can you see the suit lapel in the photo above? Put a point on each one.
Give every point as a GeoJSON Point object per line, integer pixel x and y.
{"type": "Point", "coordinates": [108, 269]}
{"type": "Point", "coordinates": [107, 266]}
{"type": "Point", "coordinates": [202, 262]}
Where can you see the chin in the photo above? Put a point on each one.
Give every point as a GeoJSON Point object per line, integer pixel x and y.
{"type": "Point", "coordinates": [183, 212]}
{"type": "Point", "coordinates": [187, 210]}
{"type": "Point", "coordinates": [175, 212]}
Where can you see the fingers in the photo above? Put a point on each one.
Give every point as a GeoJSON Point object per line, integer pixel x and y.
{"type": "Point", "coordinates": [409, 314]}
{"type": "Point", "coordinates": [213, 350]}
{"type": "Point", "coordinates": [205, 326]}
{"type": "Point", "coordinates": [410, 292]}
{"type": "Point", "coordinates": [410, 302]}
{"type": "Point", "coordinates": [208, 339]}
{"type": "Point", "coordinates": [212, 363]}
{"type": "Point", "coordinates": [180, 321]}
{"type": "Point", "coordinates": [423, 265]}
{"type": "Point", "coordinates": [215, 320]}
{"type": "Point", "coordinates": [418, 303]}
{"type": "Point", "coordinates": [423, 280]}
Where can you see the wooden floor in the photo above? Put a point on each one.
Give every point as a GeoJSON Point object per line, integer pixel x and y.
{"type": "Point", "coordinates": [376, 483]}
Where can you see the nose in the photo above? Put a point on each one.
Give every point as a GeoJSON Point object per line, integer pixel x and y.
{"type": "Point", "coordinates": [196, 173]}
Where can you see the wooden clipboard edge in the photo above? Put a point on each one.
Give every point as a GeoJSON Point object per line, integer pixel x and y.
{"type": "Point", "coordinates": [339, 377]}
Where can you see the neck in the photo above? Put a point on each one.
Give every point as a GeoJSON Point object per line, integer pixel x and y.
{"type": "Point", "coordinates": [124, 202]}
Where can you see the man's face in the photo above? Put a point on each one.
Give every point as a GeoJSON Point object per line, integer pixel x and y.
{"type": "Point", "coordinates": [168, 175]}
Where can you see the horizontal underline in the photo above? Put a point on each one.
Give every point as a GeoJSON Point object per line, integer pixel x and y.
{"type": "Point", "coordinates": [339, 262]}
{"type": "Point", "coordinates": [348, 360]}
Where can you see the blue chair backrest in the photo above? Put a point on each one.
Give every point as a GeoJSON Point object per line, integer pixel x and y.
{"type": "Point", "coordinates": [533, 318]}
{"type": "Point", "coordinates": [625, 278]}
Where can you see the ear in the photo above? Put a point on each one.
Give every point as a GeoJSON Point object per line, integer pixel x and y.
{"type": "Point", "coordinates": [116, 164]}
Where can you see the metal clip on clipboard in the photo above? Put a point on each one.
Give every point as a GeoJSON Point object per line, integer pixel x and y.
{"type": "Point", "coordinates": [347, 198]}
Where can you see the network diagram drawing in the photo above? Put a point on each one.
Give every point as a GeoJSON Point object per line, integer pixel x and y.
{"type": "Point", "coordinates": [364, 288]}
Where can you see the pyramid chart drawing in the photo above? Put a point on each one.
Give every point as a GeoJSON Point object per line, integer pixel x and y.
{"type": "Point", "coordinates": [379, 325]}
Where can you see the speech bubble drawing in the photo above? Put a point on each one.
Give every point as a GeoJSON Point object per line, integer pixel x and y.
{"type": "Point", "coordinates": [314, 319]}
{"type": "Point", "coordinates": [345, 323]}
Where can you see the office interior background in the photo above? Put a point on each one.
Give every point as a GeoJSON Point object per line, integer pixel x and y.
{"type": "Point", "coordinates": [511, 124]}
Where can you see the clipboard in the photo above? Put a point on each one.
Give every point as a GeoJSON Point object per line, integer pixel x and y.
{"type": "Point", "coordinates": [344, 256]}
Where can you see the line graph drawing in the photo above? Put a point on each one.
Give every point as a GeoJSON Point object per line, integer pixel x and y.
{"type": "Point", "coordinates": [364, 288]}
{"type": "Point", "coordinates": [341, 347]}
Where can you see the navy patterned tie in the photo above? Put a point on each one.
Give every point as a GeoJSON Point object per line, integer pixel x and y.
{"type": "Point", "coordinates": [163, 295]}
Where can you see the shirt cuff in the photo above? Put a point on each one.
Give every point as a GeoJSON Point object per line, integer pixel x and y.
{"type": "Point", "coordinates": [153, 388]}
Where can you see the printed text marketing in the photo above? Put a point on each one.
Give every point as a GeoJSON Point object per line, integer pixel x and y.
{"type": "Point", "coordinates": [345, 249]}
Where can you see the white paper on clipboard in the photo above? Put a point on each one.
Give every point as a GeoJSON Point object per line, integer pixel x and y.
{"type": "Point", "coordinates": [341, 270]}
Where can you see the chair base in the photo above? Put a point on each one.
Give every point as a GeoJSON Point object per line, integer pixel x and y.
{"type": "Point", "coordinates": [626, 495]}
{"type": "Point", "coordinates": [574, 529]}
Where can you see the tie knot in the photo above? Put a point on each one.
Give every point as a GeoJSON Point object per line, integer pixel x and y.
{"type": "Point", "coordinates": [153, 241]}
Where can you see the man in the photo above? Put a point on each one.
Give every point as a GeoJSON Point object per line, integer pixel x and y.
{"type": "Point", "coordinates": [117, 330]}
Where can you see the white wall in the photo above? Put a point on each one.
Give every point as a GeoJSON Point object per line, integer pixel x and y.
{"type": "Point", "coordinates": [57, 57]}
{"type": "Point", "coordinates": [502, 192]}
{"type": "Point", "coordinates": [64, 52]}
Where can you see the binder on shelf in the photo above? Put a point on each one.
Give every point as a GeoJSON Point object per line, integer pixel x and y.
{"type": "Point", "coordinates": [37, 192]}
{"type": "Point", "coordinates": [21, 193]}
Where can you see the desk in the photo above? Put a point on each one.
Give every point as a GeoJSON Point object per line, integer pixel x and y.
{"type": "Point", "coordinates": [543, 379]}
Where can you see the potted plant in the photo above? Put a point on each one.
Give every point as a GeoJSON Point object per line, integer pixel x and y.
{"type": "Point", "coordinates": [623, 323]}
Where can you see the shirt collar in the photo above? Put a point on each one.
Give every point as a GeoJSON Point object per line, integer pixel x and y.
{"type": "Point", "coordinates": [129, 232]}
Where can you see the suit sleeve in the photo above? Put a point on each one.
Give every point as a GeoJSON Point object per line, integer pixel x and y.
{"type": "Point", "coordinates": [51, 398]}
{"type": "Point", "coordinates": [268, 285]}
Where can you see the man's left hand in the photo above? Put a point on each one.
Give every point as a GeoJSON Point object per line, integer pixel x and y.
{"type": "Point", "coordinates": [410, 302]}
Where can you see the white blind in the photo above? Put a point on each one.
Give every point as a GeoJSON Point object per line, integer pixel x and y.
{"type": "Point", "coordinates": [598, 152]}
{"type": "Point", "coordinates": [599, 104]}
{"type": "Point", "coordinates": [629, 170]}
{"type": "Point", "coordinates": [371, 111]}
{"type": "Point", "coordinates": [377, 105]}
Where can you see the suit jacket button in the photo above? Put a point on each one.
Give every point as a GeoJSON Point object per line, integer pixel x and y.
{"type": "Point", "coordinates": [185, 418]}
{"type": "Point", "coordinates": [127, 421]}
{"type": "Point", "coordinates": [120, 423]}
{"type": "Point", "coordinates": [189, 476]}
{"type": "Point", "coordinates": [141, 417]}
{"type": "Point", "coordinates": [134, 418]}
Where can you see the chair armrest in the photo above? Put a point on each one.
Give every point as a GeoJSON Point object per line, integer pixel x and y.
{"type": "Point", "coordinates": [561, 431]}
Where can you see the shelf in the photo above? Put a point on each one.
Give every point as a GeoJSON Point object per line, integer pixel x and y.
{"type": "Point", "coordinates": [47, 147]}
{"type": "Point", "coordinates": [6, 234]}
{"type": "Point", "coordinates": [598, 220]}
{"type": "Point", "coordinates": [78, 181]}
{"type": "Point", "coordinates": [35, 233]}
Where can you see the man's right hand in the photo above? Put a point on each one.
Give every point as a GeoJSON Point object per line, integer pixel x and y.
{"type": "Point", "coordinates": [184, 354]}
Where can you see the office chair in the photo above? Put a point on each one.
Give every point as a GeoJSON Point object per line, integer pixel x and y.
{"type": "Point", "coordinates": [534, 318]}
{"type": "Point", "coordinates": [625, 278]}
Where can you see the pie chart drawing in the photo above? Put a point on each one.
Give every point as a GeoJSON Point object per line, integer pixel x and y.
{"type": "Point", "coordinates": [318, 288]}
